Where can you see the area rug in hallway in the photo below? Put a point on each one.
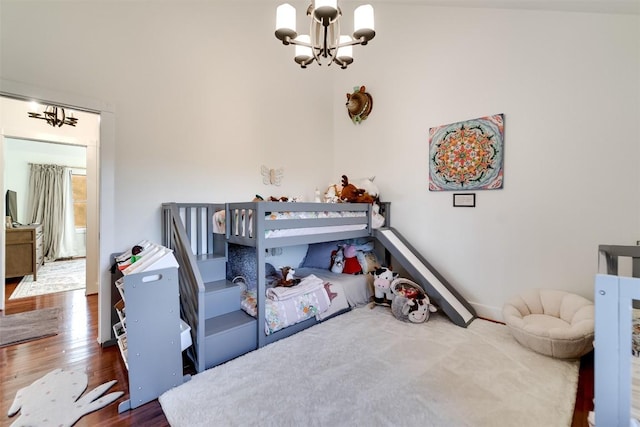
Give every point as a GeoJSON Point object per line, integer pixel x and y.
{"type": "Point", "coordinates": [54, 400]}
{"type": "Point", "coordinates": [28, 325]}
{"type": "Point", "coordinates": [366, 367]}
{"type": "Point", "coordinates": [57, 276]}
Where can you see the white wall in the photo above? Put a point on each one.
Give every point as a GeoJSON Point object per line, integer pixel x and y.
{"type": "Point", "coordinates": [204, 95]}
{"type": "Point", "coordinates": [569, 86]}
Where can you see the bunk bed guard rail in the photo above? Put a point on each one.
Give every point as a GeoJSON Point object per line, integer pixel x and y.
{"type": "Point", "coordinates": [276, 224]}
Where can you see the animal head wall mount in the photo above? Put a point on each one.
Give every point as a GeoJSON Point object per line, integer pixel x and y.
{"type": "Point", "coordinates": [359, 104]}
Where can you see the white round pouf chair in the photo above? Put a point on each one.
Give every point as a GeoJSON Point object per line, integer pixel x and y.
{"type": "Point", "coordinates": [552, 322]}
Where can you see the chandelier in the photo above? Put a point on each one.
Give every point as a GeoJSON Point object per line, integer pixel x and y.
{"type": "Point", "coordinates": [55, 116]}
{"type": "Point", "coordinates": [324, 44]}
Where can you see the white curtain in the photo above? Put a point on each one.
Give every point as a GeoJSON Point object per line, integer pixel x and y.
{"type": "Point", "coordinates": [46, 194]}
{"type": "Point", "coordinates": [67, 241]}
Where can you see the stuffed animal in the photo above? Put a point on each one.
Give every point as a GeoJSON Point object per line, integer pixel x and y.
{"type": "Point", "coordinates": [377, 220]}
{"type": "Point", "coordinates": [332, 195]}
{"type": "Point", "coordinates": [259, 198]}
{"type": "Point", "coordinates": [351, 193]}
{"type": "Point", "coordinates": [410, 303]}
{"type": "Point", "coordinates": [367, 185]}
{"type": "Point", "coordinates": [337, 261]}
{"type": "Point", "coordinates": [382, 279]}
{"type": "Point", "coordinates": [418, 310]}
{"type": "Point", "coordinates": [288, 278]}
{"type": "Point", "coordinates": [351, 263]}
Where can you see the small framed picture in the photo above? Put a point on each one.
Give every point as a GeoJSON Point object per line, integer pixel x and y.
{"type": "Point", "coordinates": [464, 200]}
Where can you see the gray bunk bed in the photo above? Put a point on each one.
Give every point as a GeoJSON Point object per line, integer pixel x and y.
{"type": "Point", "coordinates": [210, 304]}
{"type": "Point", "coordinates": [252, 224]}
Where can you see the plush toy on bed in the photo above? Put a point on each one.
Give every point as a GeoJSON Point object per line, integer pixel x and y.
{"type": "Point", "coordinates": [352, 194]}
{"type": "Point", "coordinates": [382, 279]}
{"type": "Point", "coordinates": [337, 261]}
{"type": "Point", "coordinates": [351, 263]}
{"type": "Point", "coordinates": [287, 277]}
{"type": "Point", "coordinates": [367, 185]}
{"type": "Point", "coordinates": [332, 195]}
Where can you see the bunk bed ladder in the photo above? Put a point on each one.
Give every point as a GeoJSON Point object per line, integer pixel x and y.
{"type": "Point", "coordinates": [209, 303]}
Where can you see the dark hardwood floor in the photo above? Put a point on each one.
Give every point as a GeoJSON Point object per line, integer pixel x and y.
{"type": "Point", "coordinates": [76, 347]}
{"type": "Point", "coordinates": [585, 392]}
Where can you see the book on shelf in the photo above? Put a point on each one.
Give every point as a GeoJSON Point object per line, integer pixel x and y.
{"type": "Point", "coordinates": [145, 256]}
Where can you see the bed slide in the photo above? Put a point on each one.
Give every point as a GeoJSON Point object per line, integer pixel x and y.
{"type": "Point", "coordinates": [439, 290]}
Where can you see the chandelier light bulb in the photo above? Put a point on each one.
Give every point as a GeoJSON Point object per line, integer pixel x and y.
{"type": "Point", "coordinates": [285, 22]}
{"type": "Point", "coordinates": [363, 23]}
{"type": "Point", "coordinates": [345, 53]}
{"type": "Point", "coordinates": [326, 3]}
{"type": "Point", "coordinates": [304, 54]}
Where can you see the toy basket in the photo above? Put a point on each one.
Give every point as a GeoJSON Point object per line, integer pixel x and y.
{"type": "Point", "coordinates": [405, 290]}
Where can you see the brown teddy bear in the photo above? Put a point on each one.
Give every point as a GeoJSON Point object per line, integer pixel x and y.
{"type": "Point", "coordinates": [352, 194]}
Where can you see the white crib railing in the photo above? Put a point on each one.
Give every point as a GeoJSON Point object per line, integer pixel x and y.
{"type": "Point", "coordinates": [615, 298]}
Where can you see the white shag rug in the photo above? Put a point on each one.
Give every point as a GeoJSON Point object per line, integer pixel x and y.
{"type": "Point", "coordinates": [54, 400]}
{"type": "Point", "coordinates": [366, 367]}
{"type": "Point", "coordinates": [56, 276]}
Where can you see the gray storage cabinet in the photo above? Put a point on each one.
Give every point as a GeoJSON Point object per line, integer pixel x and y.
{"type": "Point", "coordinates": [152, 349]}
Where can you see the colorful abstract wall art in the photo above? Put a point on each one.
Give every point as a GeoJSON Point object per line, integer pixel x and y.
{"type": "Point", "coordinates": [467, 155]}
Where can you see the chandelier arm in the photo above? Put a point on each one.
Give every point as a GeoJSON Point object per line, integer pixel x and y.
{"type": "Point", "coordinates": [313, 33]}
{"type": "Point", "coordinates": [300, 43]}
{"type": "Point", "coordinates": [353, 42]}
{"type": "Point", "coordinates": [336, 38]}
{"type": "Point", "coordinates": [63, 120]}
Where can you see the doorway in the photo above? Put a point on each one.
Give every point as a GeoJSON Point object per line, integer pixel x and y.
{"type": "Point", "coordinates": [63, 267]}
{"type": "Point", "coordinates": [100, 154]}
{"type": "Point", "coordinates": [20, 130]}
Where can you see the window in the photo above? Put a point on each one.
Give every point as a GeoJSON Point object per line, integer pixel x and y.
{"type": "Point", "coordinates": [79, 188]}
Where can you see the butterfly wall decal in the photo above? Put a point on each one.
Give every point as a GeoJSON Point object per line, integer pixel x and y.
{"type": "Point", "coordinates": [271, 176]}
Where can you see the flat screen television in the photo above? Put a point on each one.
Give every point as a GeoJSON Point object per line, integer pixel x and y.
{"type": "Point", "coordinates": [11, 204]}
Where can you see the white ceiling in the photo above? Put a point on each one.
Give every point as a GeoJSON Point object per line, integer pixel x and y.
{"type": "Point", "coordinates": [590, 6]}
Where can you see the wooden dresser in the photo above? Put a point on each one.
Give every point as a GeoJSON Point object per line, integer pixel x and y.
{"type": "Point", "coordinates": [23, 251]}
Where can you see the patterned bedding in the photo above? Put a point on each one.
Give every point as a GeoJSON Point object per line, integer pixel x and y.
{"type": "Point", "coordinates": [330, 298]}
{"type": "Point", "coordinates": [280, 314]}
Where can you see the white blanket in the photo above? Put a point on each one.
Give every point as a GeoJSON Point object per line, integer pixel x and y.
{"type": "Point", "coordinates": [308, 284]}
